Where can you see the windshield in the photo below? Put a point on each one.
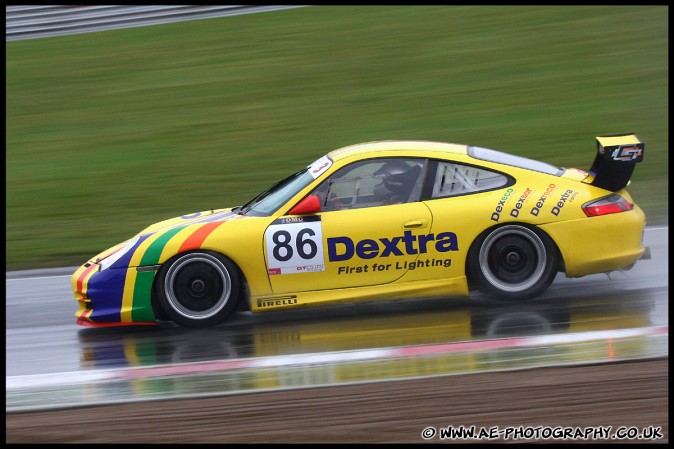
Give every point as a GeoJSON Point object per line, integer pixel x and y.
{"type": "Point", "coordinates": [267, 202]}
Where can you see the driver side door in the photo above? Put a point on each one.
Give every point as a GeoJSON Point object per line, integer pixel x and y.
{"type": "Point", "coordinates": [358, 238]}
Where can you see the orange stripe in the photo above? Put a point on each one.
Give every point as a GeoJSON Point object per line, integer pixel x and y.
{"type": "Point", "coordinates": [195, 240]}
{"type": "Point", "coordinates": [83, 276]}
{"type": "Point", "coordinates": [85, 315]}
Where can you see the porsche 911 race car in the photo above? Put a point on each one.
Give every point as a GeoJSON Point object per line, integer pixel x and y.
{"type": "Point", "coordinates": [377, 221]}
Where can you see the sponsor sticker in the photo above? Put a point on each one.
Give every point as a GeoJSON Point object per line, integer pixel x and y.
{"type": "Point", "coordinates": [557, 208]}
{"type": "Point", "coordinates": [628, 153]}
{"type": "Point", "coordinates": [320, 166]}
{"type": "Point", "coordinates": [276, 302]}
{"type": "Point", "coordinates": [496, 215]}
{"type": "Point", "coordinates": [541, 201]}
{"type": "Point", "coordinates": [295, 246]}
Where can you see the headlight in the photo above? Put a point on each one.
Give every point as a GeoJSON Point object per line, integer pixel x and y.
{"type": "Point", "coordinates": [114, 257]}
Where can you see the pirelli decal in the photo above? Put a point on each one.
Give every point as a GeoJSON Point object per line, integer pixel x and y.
{"type": "Point", "coordinates": [266, 303]}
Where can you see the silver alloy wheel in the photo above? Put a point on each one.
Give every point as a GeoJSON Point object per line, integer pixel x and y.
{"type": "Point", "coordinates": [198, 286]}
{"type": "Point", "coordinates": [513, 258]}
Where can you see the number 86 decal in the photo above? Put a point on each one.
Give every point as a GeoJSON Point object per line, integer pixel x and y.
{"type": "Point", "coordinates": [282, 240]}
{"type": "Point", "coordinates": [295, 247]}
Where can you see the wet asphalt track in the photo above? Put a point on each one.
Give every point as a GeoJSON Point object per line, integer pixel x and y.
{"type": "Point", "coordinates": [43, 341]}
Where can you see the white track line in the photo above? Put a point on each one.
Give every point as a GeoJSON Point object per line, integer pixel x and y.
{"type": "Point", "coordinates": [78, 378]}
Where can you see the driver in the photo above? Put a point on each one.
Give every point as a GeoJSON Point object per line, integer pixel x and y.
{"type": "Point", "coordinates": [398, 179]}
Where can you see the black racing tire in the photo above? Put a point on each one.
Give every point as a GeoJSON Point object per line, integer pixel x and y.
{"type": "Point", "coordinates": [198, 289]}
{"type": "Point", "coordinates": [513, 262]}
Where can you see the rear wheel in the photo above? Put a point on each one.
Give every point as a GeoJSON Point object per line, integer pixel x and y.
{"type": "Point", "coordinates": [198, 289]}
{"type": "Point", "coordinates": [513, 262]}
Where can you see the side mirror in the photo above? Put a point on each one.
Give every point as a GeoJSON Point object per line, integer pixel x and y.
{"type": "Point", "coordinates": [308, 205]}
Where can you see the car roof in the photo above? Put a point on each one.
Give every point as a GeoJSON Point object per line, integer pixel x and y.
{"type": "Point", "coordinates": [363, 149]}
{"type": "Point", "coordinates": [473, 153]}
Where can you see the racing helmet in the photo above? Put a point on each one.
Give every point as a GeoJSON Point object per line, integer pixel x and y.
{"type": "Point", "coordinates": [397, 176]}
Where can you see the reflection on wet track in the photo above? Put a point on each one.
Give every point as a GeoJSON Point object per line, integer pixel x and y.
{"type": "Point", "coordinates": [359, 327]}
{"type": "Point", "coordinates": [592, 319]}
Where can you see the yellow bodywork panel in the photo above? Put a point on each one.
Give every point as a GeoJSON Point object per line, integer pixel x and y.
{"type": "Point", "coordinates": [598, 244]}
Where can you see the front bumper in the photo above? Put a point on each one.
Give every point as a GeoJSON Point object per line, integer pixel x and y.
{"type": "Point", "coordinates": [112, 297]}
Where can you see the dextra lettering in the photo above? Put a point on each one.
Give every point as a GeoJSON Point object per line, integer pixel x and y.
{"type": "Point", "coordinates": [423, 239]}
{"type": "Point", "coordinates": [391, 246]}
{"type": "Point", "coordinates": [539, 204]}
{"type": "Point", "coordinates": [344, 248]}
{"type": "Point", "coordinates": [520, 203]}
{"type": "Point", "coordinates": [342, 252]}
{"type": "Point", "coordinates": [562, 200]}
{"type": "Point", "coordinates": [409, 240]}
{"type": "Point", "coordinates": [367, 249]}
{"type": "Point", "coordinates": [499, 207]}
{"type": "Point", "coordinates": [446, 242]}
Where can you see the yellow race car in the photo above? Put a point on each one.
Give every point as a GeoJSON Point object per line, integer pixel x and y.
{"type": "Point", "coordinates": [375, 221]}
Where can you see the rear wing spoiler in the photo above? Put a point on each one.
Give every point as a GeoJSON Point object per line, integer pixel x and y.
{"type": "Point", "coordinates": [615, 160]}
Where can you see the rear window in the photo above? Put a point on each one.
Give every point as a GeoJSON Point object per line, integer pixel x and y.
{"type": "Point", "coordinates": [453, 179]}
{"type": "Point", "coordinates": [499, 157]}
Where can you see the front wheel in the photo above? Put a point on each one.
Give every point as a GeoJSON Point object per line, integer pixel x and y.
{"type": "Point", "coordinates": [513, 262]}
{"type": "Point", "coordinates": [198, 289]}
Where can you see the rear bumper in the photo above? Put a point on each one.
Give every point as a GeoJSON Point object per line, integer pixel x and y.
{"type": "Point", "coordinates": [647, 253]}
{"type": "Point", "coordinates": [600, 244]}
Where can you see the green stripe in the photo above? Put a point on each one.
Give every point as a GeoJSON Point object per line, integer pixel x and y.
{"type": "Point", "coordinates": [141, 309]}
{"type": "Point", "coordinates": [142, 291]}
{"type": "Point", "coordinates": [151, 256]}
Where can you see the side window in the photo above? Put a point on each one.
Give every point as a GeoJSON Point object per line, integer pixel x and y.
{"type": "Point", "coordinates": [373, 182]}
{"type": "Point", "coordinates": [456, 179]}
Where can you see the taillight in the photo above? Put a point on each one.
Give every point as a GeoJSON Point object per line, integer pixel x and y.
{"type": "Point", "coordinates": [611, 204]}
